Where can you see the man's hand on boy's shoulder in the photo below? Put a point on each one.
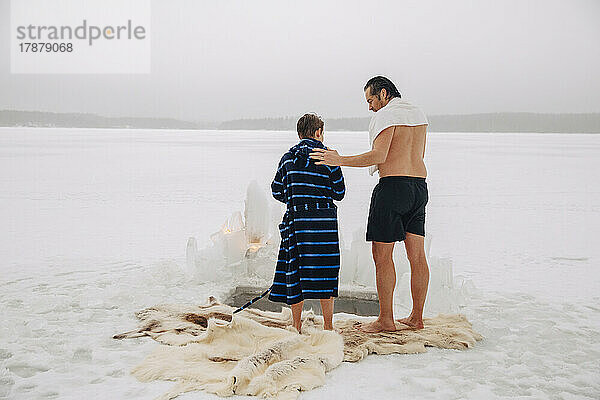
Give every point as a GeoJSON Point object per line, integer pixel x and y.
{"type": "Point", "coordinates": [326, 157]}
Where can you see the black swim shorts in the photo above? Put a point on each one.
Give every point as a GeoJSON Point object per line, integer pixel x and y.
{"type": "Point", "coordinates": [397, 206]}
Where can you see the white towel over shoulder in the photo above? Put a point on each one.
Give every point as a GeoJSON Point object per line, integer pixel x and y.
{"type": "Point", "coordinates": [396, 112]}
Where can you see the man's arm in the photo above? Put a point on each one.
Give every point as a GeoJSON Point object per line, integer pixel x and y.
{"type": "Point", "coordinates": [377, 155]}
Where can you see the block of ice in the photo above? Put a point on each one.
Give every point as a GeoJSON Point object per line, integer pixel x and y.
{"type": "Point", "coordinates": [191, 251]}
{"type": "Point", "coordinates": [257, 214]}
{"type": "Point", "coordinates": [360, 252]}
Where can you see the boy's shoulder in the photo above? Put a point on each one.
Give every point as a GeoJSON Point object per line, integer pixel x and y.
{"type": "Point", "coordinates": [286, 156]}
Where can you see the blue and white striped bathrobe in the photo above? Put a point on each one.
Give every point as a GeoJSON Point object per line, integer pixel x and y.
{"type": "Point", "coordinates": [309, 256]}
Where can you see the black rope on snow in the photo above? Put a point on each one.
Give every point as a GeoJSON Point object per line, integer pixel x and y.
{"type": "Point", "coordinates": [254, 300]}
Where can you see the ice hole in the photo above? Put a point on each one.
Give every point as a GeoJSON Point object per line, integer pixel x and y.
{"type": "Point", "coordinates": [357, 302]}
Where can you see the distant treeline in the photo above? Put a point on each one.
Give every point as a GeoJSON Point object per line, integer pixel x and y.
{"type": "Point", "coordinates": [84, 120]}
{"type": "Point", "coordinates": [491, 122]}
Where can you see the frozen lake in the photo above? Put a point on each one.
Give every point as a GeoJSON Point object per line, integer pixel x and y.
{"type": "Point", "coordinates": [95, 223]}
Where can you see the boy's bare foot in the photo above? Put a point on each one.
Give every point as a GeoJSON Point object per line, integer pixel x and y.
{"type": "Point", "coordinates": [412, 323]}
{"type": "Point", "coordinates": [378, 326]}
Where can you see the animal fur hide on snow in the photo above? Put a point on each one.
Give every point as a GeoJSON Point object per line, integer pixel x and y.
{"type": "Point", "coordinates": [247, 358]}
{"type": "Point", "coordinates": [179, 324]}
{"type": "Point", "coordinates": [259, 353]}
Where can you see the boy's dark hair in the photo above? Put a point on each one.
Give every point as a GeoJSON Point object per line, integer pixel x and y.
{"type": "Point", "coordinates": [308, 124]}
{"type": "Point", "coordinates": [381, 82]}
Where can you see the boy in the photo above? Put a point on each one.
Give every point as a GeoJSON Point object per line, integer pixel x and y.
{"type": "Point", "coordinates": [309, 256]}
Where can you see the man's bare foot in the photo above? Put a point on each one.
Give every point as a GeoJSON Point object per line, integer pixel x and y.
{"type": "Point", "coordinates": [378, 326]}
{"type": "Point", "coordinates": [411, 322]}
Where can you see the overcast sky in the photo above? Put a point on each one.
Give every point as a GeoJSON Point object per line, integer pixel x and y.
{"type": "Point", "coordinates": [216, 60]}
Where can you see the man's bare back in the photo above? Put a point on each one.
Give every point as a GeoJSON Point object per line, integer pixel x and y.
{"type": "Point", "coordinates": [407, 149]}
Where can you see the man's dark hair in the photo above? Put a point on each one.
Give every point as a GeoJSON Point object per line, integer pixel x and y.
{"type": "Point", "coordinates": [381, 82]}
{"type": "Point", "coordinates": [308, 124]}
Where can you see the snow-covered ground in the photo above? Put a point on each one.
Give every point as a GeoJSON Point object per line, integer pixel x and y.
{"type": "Point", "coordinates": [95, 225]}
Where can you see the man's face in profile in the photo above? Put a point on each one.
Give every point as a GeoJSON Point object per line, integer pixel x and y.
{"type": "Point", "coordinates": [375, 101]}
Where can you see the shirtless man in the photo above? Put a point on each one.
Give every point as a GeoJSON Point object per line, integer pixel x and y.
{"type": "Point", "coordinates": [397, 211]}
